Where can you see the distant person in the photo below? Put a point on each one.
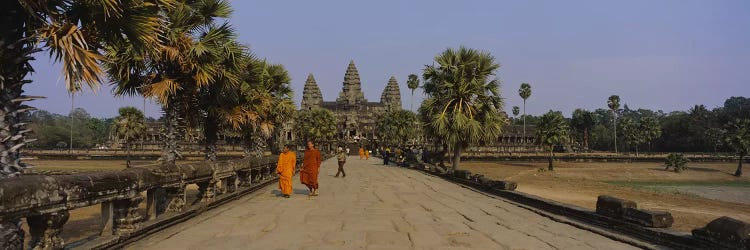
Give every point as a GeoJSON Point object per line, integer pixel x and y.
{"type": "Point", "coordinates": [310, 168]}
{"type": "Point", "coordinates": [285, 169]}
{"type": "Point", "coordinates": [361, 153]}
{"type": "Point", "coordinates": [341, 157]}
{"type": "Point", "coordinates": [367, 154]}
{"type": "Point", "coordinates": [386, 153]}
{"type": "Point", "coordinates": [347, 151]}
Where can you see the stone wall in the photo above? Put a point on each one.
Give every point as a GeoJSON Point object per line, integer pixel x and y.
{"type": "Point", "coordinates": [45, 201]}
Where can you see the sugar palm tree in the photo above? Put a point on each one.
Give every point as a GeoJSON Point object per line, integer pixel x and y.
{"type": "Point", "coordinates": [73, 32]}
{"type": "Point", "coordinates": [264, 104]}
{"type": "Point", "coordinates": [516, 111]}
{"type": "Point", "coordinates": [184, 63]}
{"type": "Point", "coordinates": [129, 126]}
{"type": "Point", "coordinates": [525, 92]}
{"type": "Point", "coordinates": [552, 131]}
{"type": "Point", "coordinates": [413, 84]}
{"type": "Point", "coordinates": [614, 104]}
{"type": "Point", "coordinates": [463, 104]}
{"type": "Point", "coordinates": [738, 139]}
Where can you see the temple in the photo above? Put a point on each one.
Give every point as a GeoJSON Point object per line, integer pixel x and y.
{"type": "Point", "coordinates": [355, 115]}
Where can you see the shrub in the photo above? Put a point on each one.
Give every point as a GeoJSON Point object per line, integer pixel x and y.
{"type": "Point", "coordinates": [676, 161]}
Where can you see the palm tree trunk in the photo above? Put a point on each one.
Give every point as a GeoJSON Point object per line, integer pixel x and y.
{"type": "Point", "coordinates": [551, 155]}
{"type": "Point", "coordinates": [169, 152]}
{"type": "Point", "coordinates": [614, 122]}
{"type": "Point", "coordinates": [456, 156]}
{"type": "Point", "coordinates": [738, 173]}
{"type": "Point", "coordinates": [127, 155]}
{"type": "Point", "coordinates": [524, 121]}
{"type": "Point", "coordinates": [210, 135]}
{"type": "Point", "coordinates": [15, 56]}
{"type": "Point", "coordinates": [411, 107]}
{"type": "Point", "coordinates": [586, 138]}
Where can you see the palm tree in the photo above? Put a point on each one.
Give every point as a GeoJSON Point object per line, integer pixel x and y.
{"type": "Point", "coordinates": [73, 32]}
{"type": "Point", "coordinates": [738, 138]}
{"type": "Point", "coordinates": [264, 104]}
{"type": "Point", "coordinates": [413, 84]}
{"type": "Point", "coordinates": [463, 104]}
{"type": "Point", "coordinates": [552, 131]}
{"type": "Point", "coordinates": [583, 121]}
{"type": "Point", "coordinates": [185, 62]}
{"type": "Point", "coordinates": [651, 129]}
{"type": "Point", "coordinates": [129, 125]}
{"type": "Point", "coordinates": [524, 91]}
{"type": "Point", "coordinates": [614, 104]}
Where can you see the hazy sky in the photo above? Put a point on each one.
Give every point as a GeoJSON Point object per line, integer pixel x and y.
{"type": "Point", "coordinates": [666, 55]}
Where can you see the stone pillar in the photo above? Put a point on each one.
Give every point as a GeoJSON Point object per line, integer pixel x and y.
{"type": "Point", "coordinates": [45, 230]}
{"type": "Point", "coordinates": [207, 190]}
{"type": "Point", "coordinates": [175, 199]}
{"type": "Point", "coordinates": [245, 178]}
{"type": "Point", "coordinates": [11, 235]}
{"type": "Point", "coordinates": [121, 217]}
{"type": "Point", "coordinates": [229, 184]}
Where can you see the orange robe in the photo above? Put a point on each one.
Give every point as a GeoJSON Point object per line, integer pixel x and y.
{"type": "Point", "coordinates": [310, 167]}
{"type": "Point", "coordinates": [361, 153]}
{"type": "Point", "coordinates": [367, 154]}
{"type": "Point", "coordinates": [285, 169]}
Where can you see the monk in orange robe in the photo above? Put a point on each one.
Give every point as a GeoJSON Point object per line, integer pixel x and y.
{"type": "Point", "coordinates": [310, 167]}
{"type": "Point", "coordinates": [361, 153]}
{"type": "Point", "coordinates": [367, 154]}
{"type": "Point", "coordinates": [285, 169]}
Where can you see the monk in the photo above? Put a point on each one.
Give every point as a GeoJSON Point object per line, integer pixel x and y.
{"type": "Point", "coordinates": [361, 153]}
{"type": "Point", "coordinates": [367, 154]}
{"type": "Point", "coordinates": [310, 167]}
{"type": "Point", "coordinates": [285, 169]}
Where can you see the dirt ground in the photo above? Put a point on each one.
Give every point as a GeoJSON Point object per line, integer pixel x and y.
{"type": "Point", "coordinates": [704, 192]}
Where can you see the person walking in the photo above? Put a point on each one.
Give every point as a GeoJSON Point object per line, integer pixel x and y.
{"type": "Point", "coordinates": [361, 153]}
{"type": "Point", "coordinates": [367, 154]}
{"type": "Point", "coordinates": [341, 156]}
{"type": "Point", "coordinates": [285, 169]}
{"type": "Point", "coordinates": [310, 167]}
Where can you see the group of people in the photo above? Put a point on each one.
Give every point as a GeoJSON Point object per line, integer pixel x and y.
{"type": "Point", "coordinates": [311, 161]}
{"type": "Point", "coordinates": [399, 155]}
{"type": "Point", "coordinates": [308, 175]}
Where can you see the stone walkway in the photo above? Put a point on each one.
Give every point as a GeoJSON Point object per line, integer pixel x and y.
{"type": "Point", "coordinates": [374, 207]}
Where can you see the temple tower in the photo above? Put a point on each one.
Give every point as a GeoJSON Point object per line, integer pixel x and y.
{"type": "Point", "coordinates": [391, 96]}
{"type": "Point", "coordinates": [351, 93]}
{"type": "Point", "coordinates": [311, 96]}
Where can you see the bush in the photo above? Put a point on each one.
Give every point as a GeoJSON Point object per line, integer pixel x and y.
{"type": "Point", "coordinates": [676, 161]}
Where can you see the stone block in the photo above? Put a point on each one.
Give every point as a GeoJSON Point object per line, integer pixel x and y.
{"type": "Point", "coordinates": [503, 185]}
{"type": "Point", "coordinates": [613, 207]}
{"type": "Point", "coordinates": [462, 174]}
{"type": "Point", "coordinates": [649, 218]}
{"type": "Point", "coordinates": [726, 231]}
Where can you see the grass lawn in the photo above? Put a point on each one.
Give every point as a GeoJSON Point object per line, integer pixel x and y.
{"type": "Point", "coordinates": [696, 196]}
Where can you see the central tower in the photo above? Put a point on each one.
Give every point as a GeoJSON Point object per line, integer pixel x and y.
{"type": "Point", "coordinates": [351, 93]}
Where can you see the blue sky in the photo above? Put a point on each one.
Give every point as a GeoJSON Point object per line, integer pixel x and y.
{"type": "Point", "coordinates": [661, 55]}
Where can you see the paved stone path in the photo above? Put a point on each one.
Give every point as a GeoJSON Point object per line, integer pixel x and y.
{"type": "Point", "coordinates": [374, 207]}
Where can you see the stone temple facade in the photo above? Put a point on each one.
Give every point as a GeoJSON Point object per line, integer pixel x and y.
{"type": "Point", "coordinates": [354, 114]}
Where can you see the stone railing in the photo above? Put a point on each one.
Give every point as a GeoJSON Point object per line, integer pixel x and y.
{"type": "Point", "coordinates": [45, 201]}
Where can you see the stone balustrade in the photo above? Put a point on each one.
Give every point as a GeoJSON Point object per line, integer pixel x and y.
{"type": "Point", "coordinates": [45, 201]}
